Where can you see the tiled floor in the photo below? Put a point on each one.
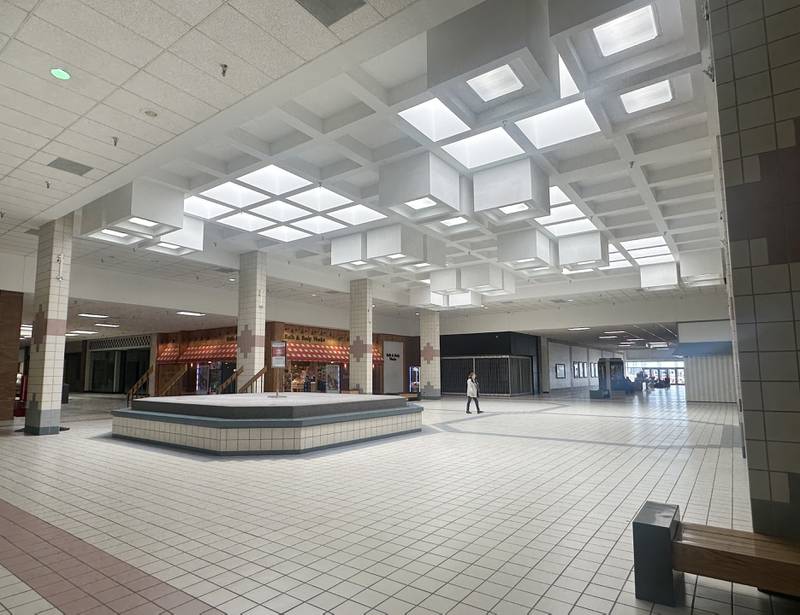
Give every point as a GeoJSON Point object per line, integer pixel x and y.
{"type": "Point", "coordinates": [523, 509]}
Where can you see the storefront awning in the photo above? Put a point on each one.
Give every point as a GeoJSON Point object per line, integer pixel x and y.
{"type": "Point", "coordinates": [169, 353]}
{"type": "Point", "coordinates": [324, 353]}
{"type": "Point", "coordinates": [212, 351]}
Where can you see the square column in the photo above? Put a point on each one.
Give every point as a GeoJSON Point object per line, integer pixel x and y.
{"type": "Point", "coordinates": [10, 321]}
{"type": "Point", "coordinates": [50, 300]}
{"type": "Point", "coordinates": [361, 335]}
{"type": "Point", "coordinates": [252, 321]}
{"type": "Point", "coordinates": [430, 372]}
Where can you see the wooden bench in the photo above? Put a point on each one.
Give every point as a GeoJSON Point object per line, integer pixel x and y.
{"type": "Point", "coordinates": [663, 548]}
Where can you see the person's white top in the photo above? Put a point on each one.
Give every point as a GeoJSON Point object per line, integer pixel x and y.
{"type": "Point", "coordinates": [472, 388]}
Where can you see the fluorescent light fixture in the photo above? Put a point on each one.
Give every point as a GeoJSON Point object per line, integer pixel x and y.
{"type": "Point", "coordinates": [653, 260]}
{"type": "Point", "coordinates": [187, 313]}
{"type": "Point", "coordinates": [202, 208]}
{"type": "Point", "coordinates": [561, 214]}
{"type": "Point", "coordinates": [578, 328]}
{"type": "Point", "coordinates": [234, 195]}
{"type": "Point", "coordinates": [624, 32]}
{"type": "Point", "coordinates": [574, 271]}
{"type": "Point", "coordinates": [455, 221]}
{"type": "Point", "coordinates": [168, 246]}
{"type": "Point", "coordinates": [434, 119]}
{"type": "Point", "coordinates": [645, 242]}
{"type": "Point", "coordinates": [284, 233]}
{"type": "Point", "coordinates": [88, 315]}
{"type": "Point", "coordinates": [635, 339]}
{"type": "Point", "coordinates": [495, 83]}
{"type": "Point", "coordinates": [571, 228]}
{"type": "Point", "coordinates": [396, 257]}
{"type": "Point", "coordinates": [318, 225]}
{"type": "Point", "coordinates": [484, 148]}
{"type": "Point", "coordinates": [359, 263]}
{"type": "Point", "coordinates": [614, 331]}
{"type": "Point", "coordinates": [654, 251]}
{"type": "Point", "coordinates": [274, 179]}
{"type": "Point", "coordinates": [106, 324]}
{"type": "Point", "coordinates": [606, 337]}
{"type": "Point", "coordinates": [142, 222]}
{"type": "Point", "coordinates": [566, 84]}
{"type": "Point", "coordinates": [558, 125]}
{"type": "Point", "coordinates": [245, 221]}
{"type": "Point", "coordinates": [280, 211]}
{"type": "Point", "coordinates": [646, 97]}
{"type": "Point", "coordinates": [658, 344]}
{"type": "Point", "coordinates": [67, 335]}
{"type": "Point", "coordinates": [514, 209]}
{"type": "Point", "coordinates": [422, 203]}
{"type": "Point", "coordinates": [319, 199]}
{"type": "Point", "coordinates": [83, 332]}
{"type": "Point", "coordinates": [357, 214]}
{"type": "Point", "coordinates": [113, 233]}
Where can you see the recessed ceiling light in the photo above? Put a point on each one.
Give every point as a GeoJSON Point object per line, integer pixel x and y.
{"type": "Point", "coordinates": [624, 32]}
{"type": "Point", "coordinates": [88, 315]}
{"type": "Point", "coordinates": [168, 246]}
{"type": "Point", "coordinates": [644, 242]}
{"type": "Point", "coordinates": [231, 279]}
{"type": "Point", "coordinates": [434, 119]}
{"type": "Point", "coordinates": [142, 222]}
{"type": "Point", "coordinates": [202, 208]}
{"type": "Point", "coordinates": [284, 233]}
{"type": "Point", "coordinates": [495, 83]}
{"type": "Point", "coordinates": [561, 214]}
{"type": "Point", "coordinates": [150, 112]}
{"type": "Point", "coordinates": [106, 324]}
{"type": "Point", "coordinates": [60, 73]}
{"type": "Point", "coordinates": [614, 331]}
{"type": "Point", "coordinates": [113, 233]}
{"type": "Point", "coordinates": [578, 328]}
{"type": "Point", "coordinates": [83, 332]}
{"type": "Point", "coordinates": [559, 125]}
{"type": "Point", "coordinates": [274, 179]}
{"type": "Point", "coordinates": [234, 195]}
{"type": "Point", "coordinates": [566, 271]}
{"type": "Point", "coordinates": [396, 257]}
{"type": "Point", "coordinates": [484, 148]}
{"type": "Point", "coordinates": [455, 221]}
{"type": "Point", "coordinates": [635, 339]}
{"type": "Point", "coordinates": [66, 335]}
{"type": "Point", "coordinates": [646, 97]}
{"type": "Point", "coordinates": [422, 203]}
{"type": "Point", "coordinates": [356, 214]}
{"type": "Point", "coordinates": [571, 228]}
{"type": "Point", "coordinates": [245, 221]}
{"type": "Point", "coordinates": [514, 209]}
{"type": "Point", "coordinates": [187, 313]}
{"type": "Point", "coordinates": [566, 84]}
{"type": "Point", "coordinates": [280, 211]}
{"type": "Point", "coordinates": [318, 225]}
{"type": "Point", "coordinates": [606, 337]}
{"type": "Point", "coordinates": [319, 199]}
{"type": "Point", "coordinates": [359, 263]}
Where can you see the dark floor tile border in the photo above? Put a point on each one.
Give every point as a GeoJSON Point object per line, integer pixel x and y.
{"type": "Point", "coordinates": [77, 577]}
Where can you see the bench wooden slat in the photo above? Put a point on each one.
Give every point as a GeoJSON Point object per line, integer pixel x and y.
{"type": "Point", "coordinates": [750, 559]}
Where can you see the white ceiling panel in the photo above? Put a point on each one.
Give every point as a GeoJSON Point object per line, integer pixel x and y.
{"type": "Point", "coordinates": [168, 97]}
{"type": "Point", "coordinates": [10, 17]}
{"type": "Point", "coordinates": [105, 134]}
{"type": "Point", "coordinates": [15, 99]}
{"type": "Point", "coordinates": [144, 17]}
{"type": "Point", "coordinates": [356, 22]}
{"type": "Point", "coordinates": [185, 75]}
{"type": "Point", "coordinates": [105, 150]}
{"type": "Point", "coordinates": [48, 90]}
{"type": "Point", "coordinates": [29, 123]}
{"type": "Point", "coordinates": [129, 124]}
{"type": "Point", "coordinates": [190, 11]}
{"type": "Point", "coordinates": [134, 105]}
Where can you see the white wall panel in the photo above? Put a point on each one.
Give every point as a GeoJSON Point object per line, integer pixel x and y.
{"type": "Point", "coordinates": [710, 378]}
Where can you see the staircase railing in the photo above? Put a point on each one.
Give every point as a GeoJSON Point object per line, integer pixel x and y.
{"type": "Point", "coordinates": [228, 380]}
{"type": "Point", "coordinates": [249, 384]}
{"type": "Point", "coordinates": [175, 380]}
{"type": "Point", "coordinates": [139, 384]}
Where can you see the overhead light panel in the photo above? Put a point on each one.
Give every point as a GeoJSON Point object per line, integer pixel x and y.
{"type": "Point", "coordinates": [106, 324]}
{"type": "Point", "coordinates": [318, 225]}
{"type": "Point", "coordinates": [574, 227]}
{"type": "Point", "coordinates": [484, 148]}
{"type": "Point", "coordinates": [319, 199]}
{"type": "Point", "coordinates": [357, 214]}
{"type": "Point", "coordinates": [434, 119]}
{"type": "Point", "coordinates": [578, 328]}
{"type": "Point", "coordinates": [646, 97]}
{"type": "Point", "coordinates": [188, 313]}
{"type": "Point", "coordinates": [142, 222]}
{"type": "Point", "coordinates": [644, 242]}
{"type": "Point", "coordinates": [245, 221]}
{"type": "Point", "coordinates": [202, 208]}
{"type": "Point", "coordinates": [495, 83]}
{"type": "Point", "coordinates": [280, 211]}
{"type": "Point", "coordinates": [60, 74]}
{"type": "Point", "coordinates": [284, 233]}
{"type": "Point", "coordinates": [274, 180]}
{"type": "Point", "coordinates": [88, 315]}
{"type": "Point", "coordinates": [559, 125]}
{"type": "Point", "coordinates": [455, 221]}
{"type": "Point", "coordinates": [628, 31]}
{"type": "Point", "coordinates": [514, 209]}
{"type": "Point", "coordinates": [423, 203]}
{"type": "Point", "coordinates": [561, 214]}
{"type": "Point", "coordinates": [83, 332]}
{"type": "Point", "coordinates": [234, 195]}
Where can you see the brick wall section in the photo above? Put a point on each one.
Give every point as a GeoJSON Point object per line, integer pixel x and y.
{"type": "Point", "coordinates": [361, 335]}
{"type": "Point", "coordinates": [10, 320]}
{"type": "Point", "coordinates": [757, 61]}
{"type": "Point", "coordinates": [252, 322]}
{"type": "Point", "coordinates": [430, 373]}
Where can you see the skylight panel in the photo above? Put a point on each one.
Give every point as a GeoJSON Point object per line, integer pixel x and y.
{"type": "Point", "coordinates": [495, 83]}
{"type": "Point", "coordinates": [434, 119]}
{"type": "Point", "coordinates": [357, 214]}
{"type": "Point", "coordinates": [280, 211]}
{"type": "Point", "coordinates": [649, 96]}
{"type": "Point", "coordinates": [566, 83]}
{"type": "Point", "coordinates": [628, 31]}
{"type": "Point", "coordinates": [559, 125]}
{"type": "Point", "coordinates": [202, 208]}
{"type": "Point", "coordinates": [561, 214]}
{"type": "Point", "coordinates": [557, 196]}
{"type": "Point", "coordinates": [284, 233]}
{"type": "Point", "coordinates": [234, 195]}
{"type": "Point", "coordinates": [245, 221]}
{"type": "Point", "coordinates": [274, 179]}
{"type": "Point", "coordinates": [571, 228]}
{"type": "Point", "coordinates": [484, 148]}
{"type": "Point", "coordinates": [318, 225]}
{"type": "Point", "coordinates": [652, 260]}
{"type": "Point", "coordinates": [644, 242]}
{"type": "Point", "coordinates": [319, 199]}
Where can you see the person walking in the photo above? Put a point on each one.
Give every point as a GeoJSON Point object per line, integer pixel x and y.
{"type": "Point", "coordinates": [472, 392]}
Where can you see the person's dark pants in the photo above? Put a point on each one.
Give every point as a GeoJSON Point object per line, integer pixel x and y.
{"type": "Point", "coordinates": [473, 399]}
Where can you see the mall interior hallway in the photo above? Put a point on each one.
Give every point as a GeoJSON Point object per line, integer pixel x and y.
{"type": "Point", "coordinates": [523, 509]}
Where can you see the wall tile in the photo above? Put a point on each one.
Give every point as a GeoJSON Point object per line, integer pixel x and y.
{"type": "Point", "coordinates": [756, 113]}
{"type": "Point", "coordinates": [779, 486]}
{"type": "Point", "coordinates": [785, 78]}
{"type": "Point", "coordinates": [778, 365]}
{"type": "Point", "coordinates": [787, 133]}
{"type": "Point", "coordinates": [759, 484]}
{"type": "Point", "coordinates": [742, 283]}
{"type": "Point", "coordinates": [747, 89]}
{"type": "Point", "coordinates": [757, 455]}
{"type": "Point", "coordinates": [744, 12]}
{"type": "Point", "coordinates": [774, 6]}
{"type": "Point", "coordinates": [740, 254]}
{"type": "Point", "coordinates": [776, 336]}
{"type": "Point", "coordinates": [748, 36]}
{"type": "Point", "coordinates": [753, 425]}
{"type": "Point", "coordinates": [751, 396]}
{"type": "Point", "coordinates": [784, 51]}
{"type": "Point", "coordinates": [748, 366]}
{"type": "Point", "coordinates": [743, 307]}
{"type": "Point", "coordinates": [782, 426]}
{"type": "Point", "coordinates": [780, 396]}
{"type": "Point", "coordinates": [770, 279]}
{"type": "Point", "coordinates": [746, 336]}
{"type": "Point", "coordinates": [758, 140]}
{"type": "Point", "coordinates": [774, 307]}
{"type": "Point", "coordinates": [784, 456]}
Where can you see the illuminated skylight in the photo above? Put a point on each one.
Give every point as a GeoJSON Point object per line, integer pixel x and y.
{"type": "Point", "coordinates": [168, 246]}
{"type": "Point", "coordinates": [616, 265]}
{"type": "Point", "coordinates": [189, 313]}
{"type": "Point", "coordinates": [434, 119]}
{"type": "Point", "coordinates": [234, 195]}
{"type": "Point", "coordinates": [578, 328]}
{"type": "Point", "coordinates": [484, 148]}
{"type": "Point", "coordinates": [280, 211]}
{"type": "Point", "coordinates": [514, 209]}
{"type": "Point", "coordinates": [89, 315]}
{"type": "Point", "coordinates": [357, 214]}
{"type": "Point", "coordinates": [654, 260]}
{"type": "Point", "coordinates": [284, 233]}
{"type": "Point", "coordinates": [455, 221]}
{"type": "Point", "coordinates": [557, 196]}
{"type": "Point", "coordinates": [142, 222]}
{"type": "Point", "coordinates": [654, 251]}
{"type": "Point", "coordinates": [566, 84]}
{"type": "Point", "coordinates": [624, 32]}
{"type": "Point", "coordinates": [495, 83]}
{"type": "Point", "coordinates": [113, 233]}
{"type": "Point", "coordinates": [558, 125]}
{"type": "Point", "coordinates": [319, 199]}
{"type": "Point", "coordinates": [318, 225]}
{"type": "Point", "coordinates": [274, 179]}
{"type": "Point", "coordinates": [572, 228]}
{"type": "Point", "coordinates": [422, 203]}
{"type": "Point", "coordinates": [646, 97]}
{"type": "Point", "coordinates": [561, 214]}
{"type": "Point", "coordinates": [202, 208]}
{"type": "Point", "coordinates": [245, 221]}
{"type": "Point", "coordinates": [645, 242]}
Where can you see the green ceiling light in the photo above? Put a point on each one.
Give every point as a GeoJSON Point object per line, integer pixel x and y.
{"type": "Point", "coordinates": [60, 73]}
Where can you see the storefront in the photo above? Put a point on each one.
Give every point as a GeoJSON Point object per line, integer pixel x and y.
{"type": "Point", "coordinates": [195, 362]}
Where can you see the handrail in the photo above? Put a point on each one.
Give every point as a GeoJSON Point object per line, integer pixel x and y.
{"type": "Point", "coordinates": [252, 380]}
{"type": "Point", "coordinates": [176, 379]}
{"type": "Point", "coordinates": [139, 384]}
{"type": "Point", "coordinates": [229, 379]}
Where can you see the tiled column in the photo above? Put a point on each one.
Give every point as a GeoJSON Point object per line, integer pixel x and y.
{"type": "Point", "coordinates": [361, 335]}
{"type": "Point", "coordinates": [757, 67]}
{"type": "Point", "coordinates": [10, 321]}
{"type": "Point", "coordinates": [252, 320]}
{"type": "Point", "coordinates": [430, 371]}
{"type": "Point", "coordinates": [50, 298]}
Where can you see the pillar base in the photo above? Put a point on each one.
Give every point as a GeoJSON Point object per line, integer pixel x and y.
{"type": "Point", "coordinates": [34, 430]}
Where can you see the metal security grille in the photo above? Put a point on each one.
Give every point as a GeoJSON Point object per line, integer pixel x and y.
{"type": "Point", "coordinates": [119, 343]}
{"type": "Point", "coordinates": [500, 375]}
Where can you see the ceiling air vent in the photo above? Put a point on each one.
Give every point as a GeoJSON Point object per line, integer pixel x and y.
{"type": "Point", "coordinates": [330, 11]}
{"type": "Point", "coordinates": [70, 166]}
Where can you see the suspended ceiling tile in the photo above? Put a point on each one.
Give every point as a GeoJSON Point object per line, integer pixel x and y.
{"type": "Point", "coordinates": [144, 17]}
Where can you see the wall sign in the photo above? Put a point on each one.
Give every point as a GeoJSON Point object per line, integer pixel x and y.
{"type": "Point", "coordinates": [278, 355]}
{"type": "Point", "coordinates": [393, 372]}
